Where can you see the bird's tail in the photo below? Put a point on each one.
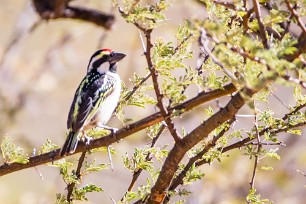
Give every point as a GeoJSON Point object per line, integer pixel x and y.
{"type": "Point", "coordinates": [70, 143]}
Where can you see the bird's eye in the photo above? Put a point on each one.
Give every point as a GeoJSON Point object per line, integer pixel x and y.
{"type": "Point", "coordinates": [111, 54]}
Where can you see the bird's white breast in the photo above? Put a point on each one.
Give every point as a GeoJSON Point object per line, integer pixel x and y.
{"type": "Point", "coordinates": [110, 103]}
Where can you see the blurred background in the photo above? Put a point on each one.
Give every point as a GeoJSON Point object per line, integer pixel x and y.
{"type": "Point", "coordinates": [40, 69]}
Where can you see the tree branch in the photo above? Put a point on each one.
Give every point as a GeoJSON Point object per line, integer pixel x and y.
{"type": "Point", "coordinates": [259, 145]}
{"type": "Point", "coordinates": [176, 154]}
{"type": "Point", "coordinates": [55, 9]}
{"type": "Point", "coordinates": [178, 180]}
{"type": "Point", "coordinates": [248, 139]}
{"type": "Point", "coordinates": [71, 186]}
{"type": "Point", "coordinates": [270, 129]}
{"type": "Point", "coordinates": [137, 173]}
{"type": "Point", "coordinates": [159, 96]}
{"type": "Point", "coordinates": [122, 133]}
{"type": "Point", "coordinates": [262, 29]}
{"type": "Point", "coordinates": [296, 15]}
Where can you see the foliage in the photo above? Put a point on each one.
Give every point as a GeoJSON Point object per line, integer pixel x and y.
{"type": "Point", "coordinates": [234, 46]}
{"type": "Point", "coordinates": [11, 153]}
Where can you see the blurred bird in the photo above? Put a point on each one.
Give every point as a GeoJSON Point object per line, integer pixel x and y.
{"type": "Point", "coordinates": [95, 99]}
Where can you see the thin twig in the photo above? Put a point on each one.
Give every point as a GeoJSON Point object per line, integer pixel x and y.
{"type": "Point", "coordinates": [244, 116]}
{"type": "Point", "coordinates": [262, 132]}
{"type": "Point", "coordinates": [266, 143]}
{"type": "Point", "coordinates": [262, 29]}
{"type": "Point", "coordinates": [302, 173]}
{"type": "Point", "coordinates": [296, 15]}
{"type": "Point", "coordinates": [245, 20]}
{"type": "Point", "coordinates": [279, 100]}
{"type": "Point", "coordinates": [294, 80]}
{"type": "Point", "coordinates": [136, 87]}
{"type": "Point", "coordinates": [244, 54]}
{"type": "Point", "coordinates": [295, 110]}
{"type": "Point", "coordinates": [215, 59]}
{"type": "Point", "coordinates": [137, 173]}
{"type": "Point", "coordinates": [252, 182]}
{"type": "Point", "coordinates": [227, 5]}
{"type": "Point", "coordinates": [158, 94]}
{"type": "Point", "coordinates": [70, 186]}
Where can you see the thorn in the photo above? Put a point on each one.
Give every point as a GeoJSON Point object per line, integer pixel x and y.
{"type": "Point", "coordinates": [110, 158]}
{"type": "Point", "coordinates": [39, 173]}
{"type": "Point", "coordinates": [112, 199]}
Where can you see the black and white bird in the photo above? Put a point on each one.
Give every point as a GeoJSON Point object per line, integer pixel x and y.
{"type": "Point", "coordinates": [96, 97]}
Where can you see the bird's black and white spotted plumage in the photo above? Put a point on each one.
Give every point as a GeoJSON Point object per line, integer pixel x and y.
{"type": "Point", "coordinates": [96, 97]}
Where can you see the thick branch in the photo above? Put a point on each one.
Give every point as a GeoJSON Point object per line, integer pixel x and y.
{"type": "Point", "coordinates": [122, 133]}
{"type": "Point", "coordinates": [60, 9]}
{"type": "Point", "coordinates": [171, 163]}
{"type": "Point", "coordinates": [179, 179]}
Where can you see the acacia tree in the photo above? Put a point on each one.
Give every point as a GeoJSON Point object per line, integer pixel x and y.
{"type": "Point", "coordinates": [241, 54]}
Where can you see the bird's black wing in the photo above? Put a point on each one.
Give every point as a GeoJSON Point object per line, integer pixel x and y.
{"type": "Point", "coordinates": [93, 90]}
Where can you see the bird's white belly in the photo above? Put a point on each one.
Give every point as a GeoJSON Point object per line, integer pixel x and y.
{"type": "Point", "coordinates": [107, 108]}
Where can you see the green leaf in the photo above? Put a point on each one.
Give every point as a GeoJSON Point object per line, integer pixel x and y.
{"type": "Point", "coordinates": [254, 198]}
{"type": "Point", "coordinates": [48, 146]}
{"type": "Point", "coordinates": [61, 199]}
{"type": "Point", "coordinates": [11, 153]}
{"type": "Point", "coordinates": [272, 153]}
{"type": "Point", "coordinates": [79, 193]}
{"type": "Point", "coordinates": [295, 131]}
{"type": "Point", "coordinates": [267, 168]}
{"type": "Point", "coordinates": [93, 167]}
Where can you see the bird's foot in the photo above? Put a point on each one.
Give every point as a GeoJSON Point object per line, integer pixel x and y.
{"type": "Point", "coordinates": [86, 139]}
{"type": "Point", "coordinates": [113, 130]}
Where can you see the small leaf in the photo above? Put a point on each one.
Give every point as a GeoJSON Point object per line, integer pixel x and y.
{"type": "Point", "coordinates": [11, 153]}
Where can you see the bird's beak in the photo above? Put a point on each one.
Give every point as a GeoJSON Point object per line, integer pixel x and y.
{"type": "Point", "coordinates": [116, 57]}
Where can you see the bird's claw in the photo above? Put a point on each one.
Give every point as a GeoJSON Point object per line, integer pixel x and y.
{"type": "Point", "coordinates": [86, 139]}
{"type": "Point", "coordinates": [114, 130]}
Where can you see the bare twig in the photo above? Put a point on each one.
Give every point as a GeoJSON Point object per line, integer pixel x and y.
{"type": "Point", "coordinates": [302, 173]}
{"type": "Point", "coordinates": [279, 100]}
{"type": "Point", "coordinates": [266, 143]}
{"type": "Point", "coordinates": [259, 145]}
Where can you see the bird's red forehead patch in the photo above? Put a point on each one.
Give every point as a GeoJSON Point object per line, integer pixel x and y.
{"type": "Point", "coordinates": [106, 49]}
